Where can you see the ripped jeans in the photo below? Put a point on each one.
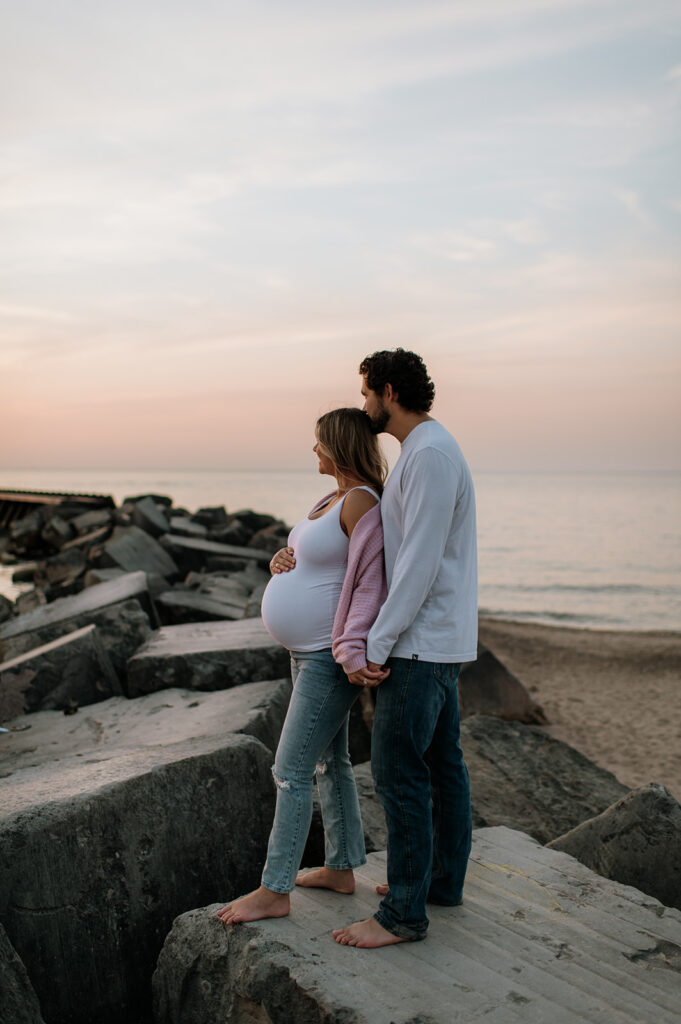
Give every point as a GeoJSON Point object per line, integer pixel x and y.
{"type": "Point", "coordinates": [314, 740]}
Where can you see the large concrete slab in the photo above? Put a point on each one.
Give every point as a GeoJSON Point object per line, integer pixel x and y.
{"type": "Point", "coordinates": [131, 548]}
{"type": "Point", "coordinates": [133, 584]}
{"type": "Point", "coordinates": [540, 939]}
{"type": "Point", "coordinates": [71, 671]}
{"type": "Point", "coordinates": [206, 656]}
{"type": "Point", "coordinates": [192, 552]}
{"type": "Point", "coordinates": [119, 818]}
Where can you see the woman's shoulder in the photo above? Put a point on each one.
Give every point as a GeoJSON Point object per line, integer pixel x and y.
{"type": "Point", "coordinates": [357, 503]}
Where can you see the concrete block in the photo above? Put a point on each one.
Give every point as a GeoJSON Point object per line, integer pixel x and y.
{"type": "Point", "coordinates": [539, 938]}
{"type": "Point", "coordinates": [71, 671]}
{"type": "Point", "coordinates": [132, 549]}
{"type": "Point", "coordinates": [56, 532]}
{"type": "Point", "coordinates": [168, 806]}
{"type": "Point", "coordinates": [87, 522]}
{"type": "Point", "coordinates": [486, 687]}
{"type": "Point", "coordinates": [186, 527]}
{"type": "Point", "coordinates": [18, 1002]}
{"type": "Point", "coordinates": [636, 841]}
{"type": "Point", "coordinates": [150, 517]}
{"type": "Point", "coordinates": [191, 554]}
{"type": "Point", "coordinates": [206, 656]}
{"type": "Point", "coordinates": [527, 780]}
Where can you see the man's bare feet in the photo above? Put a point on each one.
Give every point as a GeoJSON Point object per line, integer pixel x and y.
{"type": "Point", "coordinates": [255, 906]}
{"type": "Point", "coordinates": [367, 934]}
{"type": "Point", "coordinates": [383, 889]}
{"type": "Point", "coordinates": [328, 878]}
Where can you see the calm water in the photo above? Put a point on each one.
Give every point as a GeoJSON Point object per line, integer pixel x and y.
{"type": "Point", "coordinates": [569, 549]}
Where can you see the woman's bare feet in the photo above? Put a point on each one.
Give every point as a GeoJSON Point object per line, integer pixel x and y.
{"type": "Point", "coordinates": [255, 906]}
{"type": "Point", "coordinates": [383, 889]}
{"type": "Point", "coordinates": [367, 934]}
{"type": "Point", "coordinates": [327, 878]}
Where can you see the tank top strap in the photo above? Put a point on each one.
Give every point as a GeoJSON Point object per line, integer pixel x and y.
{"type": "Point", "coordinates": [361, 487]}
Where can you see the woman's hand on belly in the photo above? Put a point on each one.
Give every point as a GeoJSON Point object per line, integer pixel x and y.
{"type": "Point", "coordinates": [283, 561]}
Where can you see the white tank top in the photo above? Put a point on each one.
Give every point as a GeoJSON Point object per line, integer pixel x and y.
{"type": "Point", "coordinates": [298, 607]}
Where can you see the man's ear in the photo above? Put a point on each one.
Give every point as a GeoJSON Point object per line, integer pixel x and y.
{"type": "Point", "coordinates": [389, 393]}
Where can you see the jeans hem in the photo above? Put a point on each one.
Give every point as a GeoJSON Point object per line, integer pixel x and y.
{"type": "Point", "coordinates": [402, 931]}
{"type": "Point", "coordinates": [346, 867]}
{"type": "Point", "coordinates": [275, 888]}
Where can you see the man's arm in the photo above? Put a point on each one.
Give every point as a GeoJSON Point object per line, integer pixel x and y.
{"type": "Point", "coordinates": [429, 491]}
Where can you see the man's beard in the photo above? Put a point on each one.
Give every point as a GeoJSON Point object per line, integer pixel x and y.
{"type": "Point", "coordinates": [379, 421]}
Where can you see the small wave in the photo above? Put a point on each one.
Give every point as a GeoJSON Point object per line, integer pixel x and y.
{"type": "Point", "coordinates": [585, 588]}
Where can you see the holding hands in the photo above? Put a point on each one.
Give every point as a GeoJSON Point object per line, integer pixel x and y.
{"type": "Point", "coordinates": [371, 675]}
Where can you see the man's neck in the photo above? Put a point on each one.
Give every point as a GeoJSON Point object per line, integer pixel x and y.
{"type": "Point", "coordinates": [402, 423]}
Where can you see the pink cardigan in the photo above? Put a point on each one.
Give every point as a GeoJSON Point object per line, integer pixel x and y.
{"type": "Point", "coordinates": [364, 591]}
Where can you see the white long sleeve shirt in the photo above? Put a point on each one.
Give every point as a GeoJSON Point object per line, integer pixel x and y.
{"type": "Point", "coordinates": [428, 513]}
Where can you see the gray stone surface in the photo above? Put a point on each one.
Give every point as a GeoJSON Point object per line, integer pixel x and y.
{"type": "Point", "coordinates": [523, 778]}
{"type": "Point", "coordinates": [122, 628]}
{"type": "Point", "coordinates": [87, 522]}
{"type": "Point", "coordinates": [191, 554]}
{"type": "Point", "coordinates": [636, 841]}
{"type": "Point", "coordinates": [62, 568]}
{"type": "Point", "coordinates": [486, 687]}
{"type": "Point", "coordinates": [133, 584]}
{"type": "Point", "coordinates": [133, 549]}
{"type": "Point", "coordinates": [539, 939]}
{"type": "Point", "coordinates": [7, 608]}
{"type": "Point", "coordinates": [186, 527]}
{"type": "Point", "coordinates": [71, 671]}
{"type": "Point", "coordinates": [206, 656]}
{"type": "Point", "coordinates": [56, 532]}
{"type": "Point", "coordinates": [18, 1002]}
{"type": "Point", "coordinates": [119, 818]}
{"type": "Point", "coordinates": [150, 517]}
{"type": "Point", "coordinates": [208, 597]}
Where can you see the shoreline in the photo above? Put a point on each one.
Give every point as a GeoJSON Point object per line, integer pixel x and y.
{"type": "Point", "coordinates": [614, 695]}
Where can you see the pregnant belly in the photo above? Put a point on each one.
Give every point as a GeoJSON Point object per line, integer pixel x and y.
{"type": "Point", "coordinates": [298, 611]}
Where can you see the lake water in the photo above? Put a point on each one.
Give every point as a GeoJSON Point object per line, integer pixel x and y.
{"type": "Point", "coordinates": [602, 551]}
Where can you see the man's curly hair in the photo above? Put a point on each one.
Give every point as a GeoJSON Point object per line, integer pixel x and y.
{"type": "Point", "coordinates": [406, 372]}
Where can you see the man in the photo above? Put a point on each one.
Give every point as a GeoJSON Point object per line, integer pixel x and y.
{"type": "Point", "coordinates": [424, 631]}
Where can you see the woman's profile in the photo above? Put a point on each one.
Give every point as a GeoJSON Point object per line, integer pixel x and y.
{"type": "Point", "coordinates": [326, 589]}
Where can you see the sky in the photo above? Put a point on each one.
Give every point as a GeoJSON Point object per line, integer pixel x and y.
{"type": "Point", "coordinates": [211, 211]}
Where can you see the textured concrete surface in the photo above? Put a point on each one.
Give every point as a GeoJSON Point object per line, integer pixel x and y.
{"type": "Point", "coordinates": [119, 818]}
{"type": "Point", "coordinates": [206, 656]}
{"type": "Point", "coordinates": [540, 939]}
{"type": "Point", "coordinates": [636, 841]}
{"type": "Point", "coordinates": [18, 1002]}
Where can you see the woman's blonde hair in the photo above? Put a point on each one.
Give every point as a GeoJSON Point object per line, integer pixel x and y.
{"type": "Point", "coordinates": [352, 446]}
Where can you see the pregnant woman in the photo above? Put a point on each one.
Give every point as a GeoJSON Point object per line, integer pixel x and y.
{"type": "Point", "coordinates": [326, 589]}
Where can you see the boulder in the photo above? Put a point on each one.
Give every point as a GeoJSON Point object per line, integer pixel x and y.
{"type": "Point", "coordinates": [25, 533]}
{"type": "Point", "coordinates": [6, 608]}
{"type": "Point", "coordinates": [253, 521]}
{"type": "Point", "coordinates": [186, 527]}
{"type": "Point", "coordinates": [56, 532]}
{"type": "Point", "coordinates": [123, 628]}
{"type": "Point", "coordinates": [212, 598]}
{"type": "Point", "coordinates": [158, 499]}
{"type": "Point", "coordinates": [486, 687]}
{"type": "Point", "coordinates": [168, 807]}
{"type": "Point", "coordinates": [88, 522]}
{"type": "Point", "coordinates": [30, 601]}
{"type": "Point", "coordinates": [69, 672]}
{"type": "Point", "coordinates": [19, 1002]}
{"type": "Point", "coordinates": [206, 656]}
{"type": "Point", "coordinates": [233, 533]}
{"type": "Point", "coordinates": [132, 549]}
{"type": "Point", "coordinates": [271, 539]}
{"type": "Point", "coordinates": [253, 608]}
{"type": "Point", "coordinates": [212, 517]}
{"type": "Point", "coordinates": [636, 841]}
{"type": "Point", "coordinates": [62, 568]}
{"type": "Point", "coordinates": [150, 517]}
{"type": "Point", "coordinates": [527, 780]}
{"type": "Point", "coordinates": [191, 553]}
{"type": "Point", "coordinates": [539, 938]}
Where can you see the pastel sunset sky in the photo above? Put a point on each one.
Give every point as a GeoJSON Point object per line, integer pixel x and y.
{"type": "Point", "coordinates": [211, 211]}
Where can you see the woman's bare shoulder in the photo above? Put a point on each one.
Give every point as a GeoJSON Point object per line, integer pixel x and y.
{"type": "Point", "coordinates": [357, 503]}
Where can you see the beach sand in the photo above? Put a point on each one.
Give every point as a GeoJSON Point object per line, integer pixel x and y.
{"type": "Point", "coordinates": [614, 696]}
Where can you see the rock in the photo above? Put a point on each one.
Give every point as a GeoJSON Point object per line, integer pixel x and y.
{"type": "Point", "coordinates": [213, 598]}
{"type": "Point", "coordinates": [253, 521]}
{"type": "Point", "coordinates": [220, 563]}
{"type": "Point", "coordinates": [88, 522]}
{"type": "Point", "coordinates": [373, 815]}
{"type": "Point", "coordinates": [271, 539]}
{"type": "Point", "coordinates": [25, 572]}
{"type": "Point", "coordinates": [523, 778]}
{"type": "Point", "coordinates": [6, 608]}
{"type": "Point", "coordinates": [158, 499]}
{"type": "Point", "coordinates": [186, 527]}
{"type": "Point", "coordinates": [91, 600]}
{"type": "Point", "coordinates": [253, 608]}
{"type": "Point", "coordinates": [235, 533]}
{"type": "Point", "coordinates": [486, 687]}
{"type": "Point", "coordinates": [123, 628]}
{"type": "Point", "coordinates": [169, 807]}
{"type": "Point", "coordinates": [19, 1003]}
{"type": "Point", "coordinates": [211, 517]}
{"type": "Point", "coordinates": [71, 671]}
{"type": "Point", "coordinates": [25, 533]}
{"type": "Point", "coordinates": [94, 576]}
{"type": "Point", "coordinates": [29, 602]}
{"type": "Point", "coordinates": [206, 656]}
{"type": "Point", "coordinates": [132, 549]}
{"type": "Point", "coordinates": [636, 841]}
{"type": "Point", "coordinates": [191, 554]}
{"type": "Point", "coordinates": [539, 938]}
{"type": "Point", "coordinates": [62, 568]}
{"type": "Point", "coordinates": [87, 541]}
{"type": "Point", "coordinates": [56, 532]}
{"type": "Point", "coordinates": [150, 517]}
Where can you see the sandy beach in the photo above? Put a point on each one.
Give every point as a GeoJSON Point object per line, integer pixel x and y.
{"type": "Point", "coordinates": [613, 695]}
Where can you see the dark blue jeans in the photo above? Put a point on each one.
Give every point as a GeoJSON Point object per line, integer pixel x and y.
{"type": "Point", "coordinates": [422, 782]}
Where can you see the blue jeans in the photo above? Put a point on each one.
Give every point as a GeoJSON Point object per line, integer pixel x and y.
{"type": "Point", "coordinates": [314, 740]}
{"type": "Point", "coordinates": [422, 782]}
